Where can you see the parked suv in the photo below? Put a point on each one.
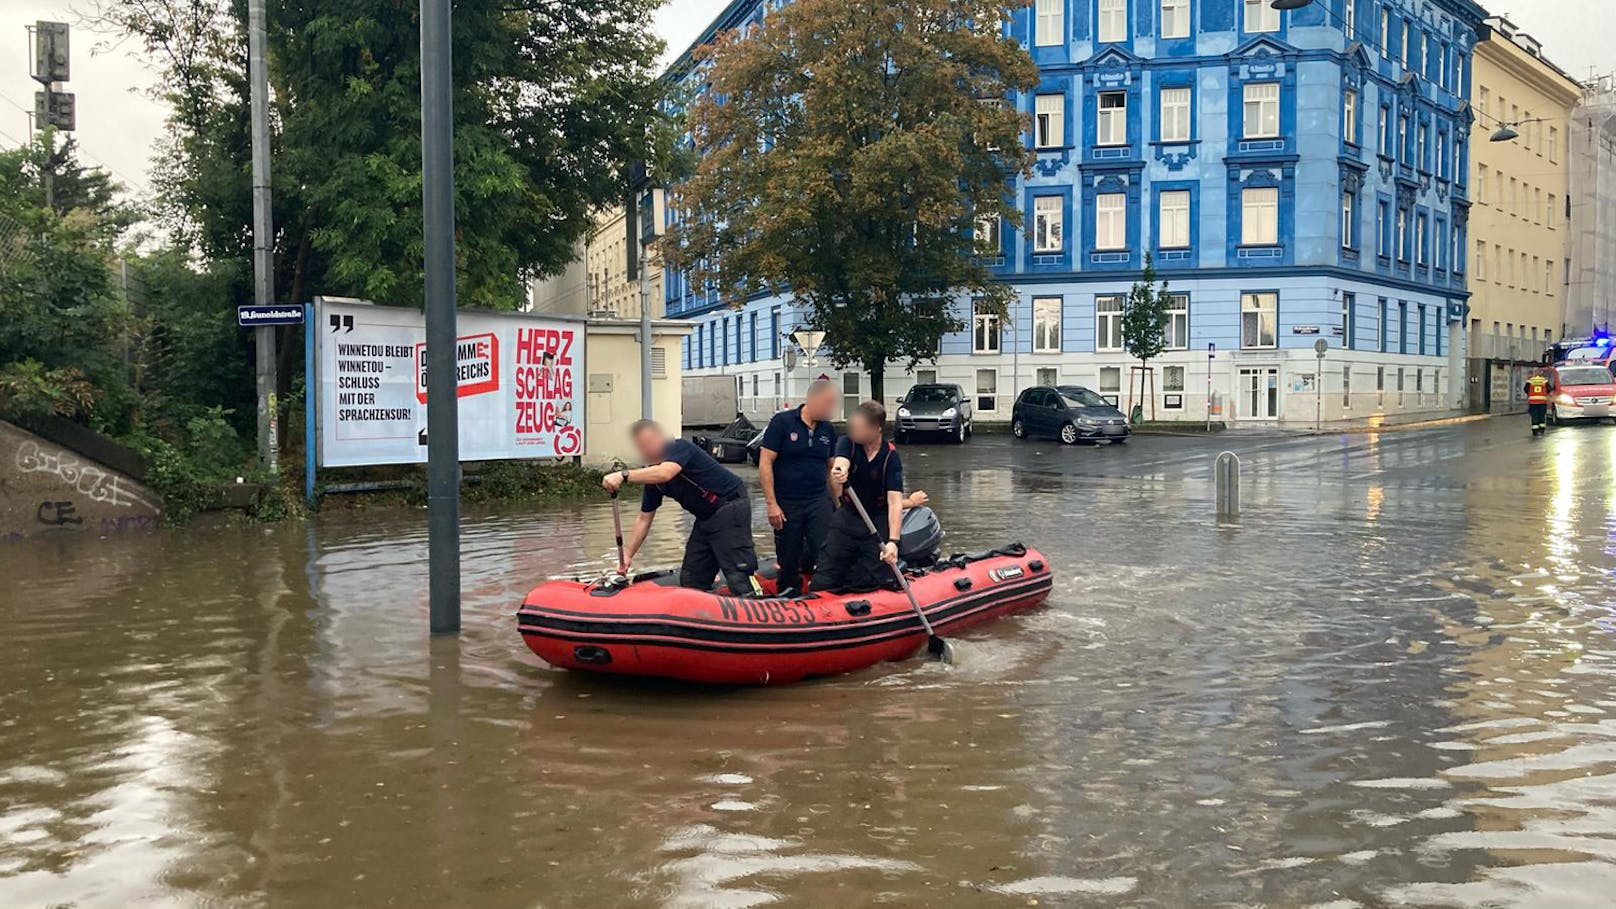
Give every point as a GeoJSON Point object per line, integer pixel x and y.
{"type": "Point", "coordinates": [1070, 413]}
{"type": "Point", "coordinates": [935, 409]}
{"type": "Point", "coordinates": [1581, 393]}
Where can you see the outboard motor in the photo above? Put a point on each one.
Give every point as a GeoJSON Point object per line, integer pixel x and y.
{"type": "Point", "coordinates": [922, 538]}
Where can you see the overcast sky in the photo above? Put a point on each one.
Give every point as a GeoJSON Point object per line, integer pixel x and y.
{"type": "Point", "coordinates": [119, 124]}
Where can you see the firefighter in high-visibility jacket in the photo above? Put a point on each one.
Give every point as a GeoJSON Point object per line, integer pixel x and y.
{"type": "Point", "coordinates": [1537, 401]}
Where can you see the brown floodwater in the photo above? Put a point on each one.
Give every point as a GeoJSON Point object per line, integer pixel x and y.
{"type": "Point", "coordinates": [1390, 686]}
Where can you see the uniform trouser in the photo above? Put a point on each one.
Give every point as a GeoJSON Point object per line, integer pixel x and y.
{"type": "Point", "coordinates": [1539, 412]}
{"type": "Point", "coordinates": [851, 560]}
{"type": "Point", "coordinates": [721, 543]}
{"type": "Point", "coordinates": [797, 544]}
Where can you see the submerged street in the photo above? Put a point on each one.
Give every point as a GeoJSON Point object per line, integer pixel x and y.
{"type": "Point", "coordinates": [1390, 685]}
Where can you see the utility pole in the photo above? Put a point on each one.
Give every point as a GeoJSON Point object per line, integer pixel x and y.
{"type": "Point", "coordinates": [637, 249]}
{"type": "Point", "coordinates": [442, 408]}
{"type": "Point", "coordinates": [1320, 348]}
{"type": "Point", "coordinates": [263, 236]}
{"type": "Point", "coordinates": [53, 109]}
{"type": "Point", "coordinates": [1211, 354]}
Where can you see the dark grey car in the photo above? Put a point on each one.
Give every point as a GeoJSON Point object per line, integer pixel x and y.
{"type": "Point", "coordinates": [1070, 413]}
{"type": "Point", "coordinates": [935, 409]}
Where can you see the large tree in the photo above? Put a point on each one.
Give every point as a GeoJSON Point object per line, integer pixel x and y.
{"type": "Point", "coordinates": [848, 150]}
{"type": "Point", "coordinates": [551, 100]}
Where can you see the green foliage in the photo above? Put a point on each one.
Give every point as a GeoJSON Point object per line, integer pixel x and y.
{"type": "Point", "coordinates": [551, 100]}
{"type": "Point", "coordinates": [517, 481]}
{"type": "Point", "coordinates": [1144, 317]}
{"type": "Point", "coordinates": [29, 390]}
{"type": "Point", "coordinates": [193, 463]}
{"type": "Point", "coordinates": [846, 152]}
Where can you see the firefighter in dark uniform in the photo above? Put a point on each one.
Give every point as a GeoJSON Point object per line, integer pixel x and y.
{"type": "Point", "coordinates": [721, 540]}
{"type": "Point", "coordinates": [1537, 401]}
{"type": "Point", "coordinates": [794, 468]}
{"type": "Point", "coordinates": [867, 466]}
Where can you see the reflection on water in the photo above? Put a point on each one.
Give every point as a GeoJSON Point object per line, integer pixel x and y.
{"type": "Point", "coordinates": [1391, 685]}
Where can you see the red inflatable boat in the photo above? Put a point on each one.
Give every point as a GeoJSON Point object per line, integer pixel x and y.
{"type": "Point", "coordinates": [651, 628]}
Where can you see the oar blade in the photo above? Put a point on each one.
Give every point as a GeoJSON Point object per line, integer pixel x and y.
{"type": "Point", "coordinates": [941, 649]}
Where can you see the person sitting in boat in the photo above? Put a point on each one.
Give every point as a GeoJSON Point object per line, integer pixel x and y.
{"type": "Point", "coordinates": [721, 540]}
{"type": "Point", "coordinates": [867, 466]}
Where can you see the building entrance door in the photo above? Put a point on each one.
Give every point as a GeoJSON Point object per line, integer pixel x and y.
{"type": "Point", "coordinates": [1259, 393]}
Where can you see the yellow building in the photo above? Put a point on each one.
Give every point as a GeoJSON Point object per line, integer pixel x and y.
{"type": "Point", "coordinates": [1519, 230]}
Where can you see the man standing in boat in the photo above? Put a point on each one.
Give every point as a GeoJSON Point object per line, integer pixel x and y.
{"type": "Point", "coordinates": [721, 540]}
{"type": "Point", "coordinates": [793, 469]}
{"type": "Point", "coordinates": [866, 465]}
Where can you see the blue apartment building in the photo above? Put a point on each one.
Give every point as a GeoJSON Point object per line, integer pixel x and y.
{"type": "Point", "coordinates": [1297, 176]}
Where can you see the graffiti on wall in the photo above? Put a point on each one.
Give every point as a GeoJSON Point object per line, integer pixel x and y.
{"type": "Point", "coordinates": [83, 478]}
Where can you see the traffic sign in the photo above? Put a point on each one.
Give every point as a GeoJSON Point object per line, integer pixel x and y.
{"type": "Point", "coordinates": [50, 52]}
{"type": "Point", "coordinates": [254, 316]}
{"type": "Point", "coordinates": [1321, 346]}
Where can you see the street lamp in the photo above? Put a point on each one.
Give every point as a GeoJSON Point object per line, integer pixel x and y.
{"type": "Point", "coordinates": [1505, 133]}
{"type": "Point", "coordinates": [1290, 4]}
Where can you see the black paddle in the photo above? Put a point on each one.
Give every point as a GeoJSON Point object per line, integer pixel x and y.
{"type": "Point", "coordinates": [935, 645]}
{"type": "Point", "coordinates": [617, 525]}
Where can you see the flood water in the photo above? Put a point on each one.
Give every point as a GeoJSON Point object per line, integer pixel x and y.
{"type": "Point", "coordinates": [1392, 685]}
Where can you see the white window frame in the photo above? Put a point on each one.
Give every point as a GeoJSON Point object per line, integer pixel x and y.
{"type": "Point", "coordinates": [1049, 23]}
{"type": "Point", "coordinates": [1174, 379]}
{"type": "Point", "coordinates": [1422, 242]}
{"type": "Point", "coordinates": [987, 238]}
{"type": "Point", "coordinates": [1111, 127]}
{"type": "Point", "coordinates": [1349, 220]}
{"type": "Point", "coordinates": [1400, 236]}
{"type": "Point", "coordinates": [1177, 330]}
{"type": "Point", "coordinates": [1260, 17]}
{"type": "Point", "coordinates": [1046, 324]}
{"type": "Point", "coordinates": [1108, 322]}
{"type": "Point", "coordinates": [1259, 216]}
{"type": "Point", "coordinates": [1111, 21]}
{"type": "Point", "coordinates": [1260, 110]}
{"type": "Point", "coordinates": [1349, 116]}
{"type": "Point", "coordinates": [1177, 104]}
{"type": "Point", "coordinates": [1049, 224]}
{"type": "Point", "coordinates": [1111, 221]}
{"type": "Point", "coordinates": [1049, 120]}
{"type": "Point", "coordinates": [1173, 219]}
{"type": "Point", "coordinates": [987, 333]}
{"type": "Point", "coordinates": [990, 396]}
{"type": "Point", "coordinates": [1261, 312]}
{"type": "Point", "coordinates": [1175, 18]}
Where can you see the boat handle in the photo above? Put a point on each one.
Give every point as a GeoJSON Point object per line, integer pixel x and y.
{"type": "Point", "coordinates": [858, 607]}
{"type": "Point", "coordinates": [592, 656]}
{"type": "Point", "coordinates": [1036, 565]}
{"type": "Point", "coordinates": [962, 584]}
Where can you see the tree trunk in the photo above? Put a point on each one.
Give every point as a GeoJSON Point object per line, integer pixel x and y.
{"type": "Point", "coordinates": [878, 382]}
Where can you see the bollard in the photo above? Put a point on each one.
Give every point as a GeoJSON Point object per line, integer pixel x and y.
{"type": "Point", "coordinates": [1227, 474]}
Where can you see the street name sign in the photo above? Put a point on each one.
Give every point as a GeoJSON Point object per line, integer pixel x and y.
{"type": "Point", "coordinates": [255, 316]}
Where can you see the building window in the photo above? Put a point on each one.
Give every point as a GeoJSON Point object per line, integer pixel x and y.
{"type": "Point", "coordinates": [1048, 225]}
{"type": "Point", "coordinates": [1260, 17]}
{"type": "Point", "coordinates": [1402, 327]}
{"type": "Point", "coordinates": [1346, 386]}
{"type": "Point", "coordinates": [1404, 150]}
{"type": "Point", "coordinates": [985, 332]}
{"type": "Point", "coordinates": [1401, 237]}
{"type": "Point", "coordinates": [1349, 308]}
{"type": "Point", "coordinates": [1107, 323]}
{"type": "Point", "coordinates": [1046, 375]}
{"type": "Point", "coordinates": [1548, 277]}
{"type": "Point", "coordinates": [1112, 128]}
{"type": "Point", "coordinates": [987, 235]}
{"type": "Point", "coordinates": [1422, 239]}
{"type": "Point", "coordinates": [1259, 320]}
{"type": "Point", "coordinates": [1551, 214]}
{"type": "Point", "coordinates": [1049, 121]}
{"type": "Point", "coordinates": [1259, 216]}
{"type": "Point", "coordinates": [987, 390]}
{"type": "Point", "coordinates": [1349, 221]}
{"type": "Point", "coordinates": [1046, 324]}
{"type": "Point", "coordinates": [1554, 145]}
{"type": "Point", "coordinates": [1481, 184]}
{"type": "Point", "coordinates": [1111, 221]}
{"type": "Point", "coordinates": [1110, 382]}
{"type": "Point", "coordinates": [1175, 115]}
{"type": "Point", "coordinates": [1051, 23]}
{"type": "Point", "coordinates": [1349, 116]}
{"type": "Point", "coordinates": [1479, 266]}
{"type": "Point", "coordinates": [1422, 148]}
{"type": "Point", "coordinates": [1385, 31]}
{"type": "Point", "coordinates": [1442, 156]}
{"type": "Point", "coordinates": [1173, 379]}
{"type": "Point", "coordinates": [1382, 246]}
{"type": "Point", "coordinates": [1113, 21]}
{"type": "Point", "coordinates": [1175, 18]}
{"type": "Point", "coordinates": [774, 333]}
{"type": "Point", "coordinates": [1262, 110]}
{"type": "Point", "coordinates": [925, 377]}
{"type": "Point", "coordinates": [1173, 221]}
{"type": "Point", "coordinates": [1424, 324]}
{"type": "Point", "coordinates": [1177, 332]}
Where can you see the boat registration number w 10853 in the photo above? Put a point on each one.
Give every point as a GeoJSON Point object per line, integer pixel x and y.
{"type": "Point", "coordinates": [769, 612]}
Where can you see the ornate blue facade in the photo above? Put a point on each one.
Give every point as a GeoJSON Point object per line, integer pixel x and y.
{"type": "Point", "coordinates": [1293, 176]}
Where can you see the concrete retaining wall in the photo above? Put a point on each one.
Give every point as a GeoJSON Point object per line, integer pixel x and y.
{"type": "Point", "coordinates": [46, 488]}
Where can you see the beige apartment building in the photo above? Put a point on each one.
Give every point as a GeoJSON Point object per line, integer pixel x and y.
{"type": "Point", "coordinates": [1519, 223]}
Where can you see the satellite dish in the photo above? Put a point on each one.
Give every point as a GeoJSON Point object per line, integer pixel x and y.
{"type": "Point", "coordinates": [790, 358]}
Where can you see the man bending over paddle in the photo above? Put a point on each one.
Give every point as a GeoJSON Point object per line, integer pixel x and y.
{"type": "Point", "coordinates": [721, 540]}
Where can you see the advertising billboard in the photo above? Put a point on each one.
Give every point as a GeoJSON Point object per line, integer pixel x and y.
{"type": "Point", "coordinates": [518, 379]}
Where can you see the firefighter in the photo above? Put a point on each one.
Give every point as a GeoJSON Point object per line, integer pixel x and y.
{"type": "Point", "coordinates": [1537, 401]}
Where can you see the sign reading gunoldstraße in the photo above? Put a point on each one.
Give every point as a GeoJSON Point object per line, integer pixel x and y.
{"type": "Point", "coordinates": [517, 377]}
